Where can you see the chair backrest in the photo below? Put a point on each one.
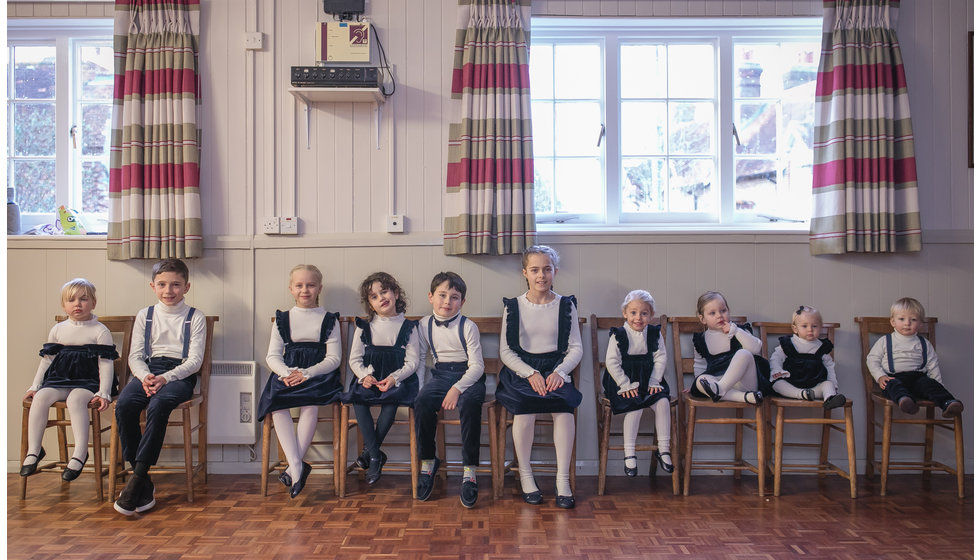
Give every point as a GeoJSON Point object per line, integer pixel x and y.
{"type": "Point", "coordinates": [205, 371]}
{"type": "Point", "coordinates": [121, 325]}
{"type": "Point", "coordinates": [599, 329]}
{"type": "Point", "coordinates": [873, 328]}
{"type": "Point", "coordinates": [780, 329]}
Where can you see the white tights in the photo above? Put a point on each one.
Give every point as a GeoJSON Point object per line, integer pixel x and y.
{"type": "Point", "coordinates": [564, 438]}
{"type": "Point", "coordinates": [295, 443]}
{"type": "Point", "coordinates": [77, 400]}
{"type": "Point", "coordinates": [738, 379]}
{"type": "Point", "coordinates": [822, 391]}
{"type": "Point", "coordinates": [631, 427]}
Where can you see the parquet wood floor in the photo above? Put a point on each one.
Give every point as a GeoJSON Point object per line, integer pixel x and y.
{"type": "Point", "coordinates": [637, 518]}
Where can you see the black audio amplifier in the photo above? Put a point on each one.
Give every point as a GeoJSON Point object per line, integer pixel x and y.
{"type": "Point", "coordinates": [335, 76]}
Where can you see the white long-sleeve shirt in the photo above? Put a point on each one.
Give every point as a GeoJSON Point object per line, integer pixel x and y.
{"type": "Point", "coordinates": [539, 334]}
{"type": "Point", "coordinates": [79, 333]}
{"type": "Point", "coordinates": [304, 326]}
{"type": "Point", "coordinates": [906, 354]}
{"type": "Point", "coordinates": [384, 332]}
{"type": "Point", "coordinates": [803, 347]}
{"type": "Point", "coordinates": [167, 340]}
{"type": "Point", "coordinates": [718, 342]}
{"type": "Point", "coordinates": [637, 346]}
{"type": "Point", "coordinates": [448, 347]}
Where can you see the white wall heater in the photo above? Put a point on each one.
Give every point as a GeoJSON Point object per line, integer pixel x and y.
{"type": "Point", "coordinates": [232, 401]}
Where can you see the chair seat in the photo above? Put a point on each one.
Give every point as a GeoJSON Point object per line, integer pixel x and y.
{"type": "Point", "coordinates": [799, 403]}
{"type": "Point", "coordinates": [193, 401]}
{"type": "Point", "coordinates": [703, 401]}
{"type": "Point", "coordinates": [878, 397]}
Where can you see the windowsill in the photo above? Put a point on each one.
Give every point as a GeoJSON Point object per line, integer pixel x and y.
{"type": "Point", "coordinates": [781, 228]}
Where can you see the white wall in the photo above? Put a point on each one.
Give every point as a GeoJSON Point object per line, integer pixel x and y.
{"type": "Point", "coordinates": [255, 163]}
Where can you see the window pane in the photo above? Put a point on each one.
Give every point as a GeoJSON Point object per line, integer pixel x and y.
{"type": "Point", "coordinates": [643, 70]}
{"type": "Point", "coordinates": [95, 72]}
{"type": "Point", "coordinates": [691, 182]}
{"type": "Point", "coordinates": [577, 72]}
{"type": "Point", "coordinates": [544, 186]}
{"type": "Point", "coordinates": [34, 181]}
{"type": "Point", "coordinates": [691, 128]}
{"type": "Point", "coordinates": [542, 72]}
{"type": "Point", "coordinates": [34, 126]}
{"type": "Point", "coordinates": [644, 127]}
{"type": "Point", "coordinates": [34, 72]}
{"type": "Point", "coordinates": [756, 124]}
{"type": "Point", "coordinates": [96, 123]}
{"type": "Point", "coordinates": [95, 187]}
{"type": "Point", "coordinates": [542, 127]}
{"type": "Point", "coordinates": [644, 185]}
{"type": "Point", "coordinates": [776, 70]}
{"type": "Point", "coordinates": [578, 185]}
{"type": "Point", "coordinates": [691, 71]}
{"type": "Point", "coordinates": [577, 128]}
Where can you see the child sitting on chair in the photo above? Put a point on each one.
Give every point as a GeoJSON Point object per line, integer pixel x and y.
{"type": "Point", "coordinates": [801, 365]}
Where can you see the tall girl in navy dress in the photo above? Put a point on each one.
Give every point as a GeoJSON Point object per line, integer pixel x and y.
{"type": "Point", "coordinates": [540, 345]}
{"type": "Point", "coordinates": [76, 367]}
{"type": "Point", "coordinates": [634, 377]}
{"type": "Point", "coordinates": [726, 364]}
{"type": "Point", "coordinates": [304, 356]}
{"type": "Point", "coordinates": [801, 365]}
{"type": "Point", "coordinates": [384, 357]}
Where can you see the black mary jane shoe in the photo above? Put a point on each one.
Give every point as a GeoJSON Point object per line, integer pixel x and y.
{"type": "Point", "coordinates": [70, 474]}
{"type": "Point", "coordinates": [28, 470]}
{"type": "Point", "coordinates": [667, 467]}
{"type": "Point", "coordinates": [374, 468]}
{"type": "Point", "coordinates": [296, 488]}
{"type": "Point", "coordinates": [363, 460]}
{"type": "Point", "coordinates": [533, 498]}
{"type": "Point", "coordinates": [564, 502]}
{"type": "Point", "coordinates": [709, 388]}
{"type": "Point", "coordinates": [757, 395]}
{"type": "Point", "coordinates": [285, 479]}
{"type": "Point", "coordinates": [630, 471]}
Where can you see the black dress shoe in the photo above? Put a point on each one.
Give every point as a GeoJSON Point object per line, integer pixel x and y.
{"type": "Point", "coordinates": [28, 470]}
{"type": "Point", "coordinates": [630, 471]}
{"type": "Point", "coordinates": [374, 468]}
{"type": "Point", "coordinates": [667, 467]}
{"type": "Point", "coordinates": [70, 474]}
{"type": "Point", "coordinates": [427, 481]}
{"type": "Point", "coordinates": [564, 502]}
{"type": "Point", "coordinates": [709, 388]}
{"type": "Point", "coordinates": [756, 397]}
{"type": "Point", "coordinates": [285, 479]}
{"type": "Point", "coordinates": [953, 408]}
{"type": "Point", "coordinates": [296, 488]}
{"type": "Point", "coordinates": [533, 498]}
{"type": "Point", "coordinates": [468, 494]}
{"type": "Point", "coordinates": [363, 460]}
{"type": "Point", "coordinates": [835, 401]}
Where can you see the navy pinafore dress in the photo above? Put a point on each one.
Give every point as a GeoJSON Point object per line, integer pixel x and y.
{"type": "Point", "coordinates": [638, 368]}
{"type": "Point", "coordinates": [77, 367]}
{"type": "Point", "coordinates": [805, 370]}
{"type": "Point", "coordinates": [385, 359]}
{"type": "Point", "coordinates": [318, 390]}
{"type": "Point", "coordinates": [718, 363]}
{"type": "Point", "coordinates": [513, 391]}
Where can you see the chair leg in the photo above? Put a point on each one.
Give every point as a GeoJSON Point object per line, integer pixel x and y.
{"type": "Point", "coordinates": [676, 455]}
{"type": "Point", "coordinates": [494, 442]}
{"type": "Point", "coordinates": [413, 450]}
{"type": "Point", "coordinates": [337, 465]}
{"type": "Point", "coordinates": [869, 439]}
{"type": "Point", "coordinates": [501, 449]}
{"type": "Point", "coordinates": [689, 449]}
{"type": "Point", "coordinates": [760, 446]}
{"type": "Point", "coordinates": [188, 454]}
{"type": "Point", "coordinates": [604, 416]}
{"type": "Point", "coordinates": [23, 449]}
{"type": "Point", "coordinates": [344, 434]}
{"type": "Point", "coordinates": [886, 444]}
{"type": "Point", "coordinates": [777, 471]}
{"type": "Point", "coordinates": [266, 443]}
{"type": "Point", "coordinates": [96, 424]}
{"type": "Point", "coordinates": [824, 443]}
{"type": "Point", "coordinates": [202, 441]}
{"type": "Point", "coordinates": [958, 435]}
{"type": "Point", "coordinates": [930, 438]}
{"type": "Point", "coordinates": [851, 461]}
{"type": "Point", "coordinates": [571, 466]}
{"type": "Point", "coordinates": [739, 413]}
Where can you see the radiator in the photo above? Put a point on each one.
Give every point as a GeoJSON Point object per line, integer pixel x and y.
{"type": "Point", "coordinates": [233, 396]}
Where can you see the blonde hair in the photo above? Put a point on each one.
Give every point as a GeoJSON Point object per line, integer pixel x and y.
{"type": "Point", "coordinates": [809, 311]}
{"type": "Point", "coordinates": [709, 297]}
{"type": "Point", "coordinates": [641, 295]}
{"type": "Point", "coordinates": [72, 287]}
{"type": "Point", "coordinates": [316, 274]}
{"type": "Point", "coordinates": [908, 304]}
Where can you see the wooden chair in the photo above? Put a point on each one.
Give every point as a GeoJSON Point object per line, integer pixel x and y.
{"type": "Point", "coordinates": [122, 325]}
{"type": "Point", "coordinates": [334, 419]}
{"type": "Point", "coordinates": [349, 422]}
{"type": "Point", "coordinates": [826, 421]}
{"type": "Point", "coordinates": [604, 407]}
{"type": "Point", "coordinates": [690, 405]}
{"type": "Point", "coordinates": [505, 419]}
{"type": "Point", "coordinates": [117, 468]}
{"type": "Point", "coordinates": [488, 326]}
{"type": "Point", "coordinates": [872, 328]}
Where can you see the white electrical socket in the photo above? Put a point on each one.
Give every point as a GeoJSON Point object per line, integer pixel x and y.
{"type": "Point", "coordinates": [270, 224]}
{"type": "Point", "coordinates": [396, 224]}
{"type": "Point", "coordinates": [253, 41]}
{"type": "Point", "coordinates": [289, 225]}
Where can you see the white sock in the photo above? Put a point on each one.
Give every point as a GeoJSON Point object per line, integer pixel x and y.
{"type": "Point", "coordinates": [631, 427]}
{"type": "Point", "coordinates": [77, 402]}
{"type": "Point", "coordinates": [469, 473]}
{"type": "Point", "coordinates": [787, 389]}
{"type": "Point", "coordinates": [564, 441]}
{"type": "Point", "coordinates": [283, 422]}
{"type": "Point", "coordinates": [37, 418]}
{"type": "Point", "coordinates": [306, 429]}
{"type": "Point", "coordinates": [523, 441]}
{"type": "Point", "coordinates": [824, 390]}
{"type": "Point", "coordinates": [661, 418]}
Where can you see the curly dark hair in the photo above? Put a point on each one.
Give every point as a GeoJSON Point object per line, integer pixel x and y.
{"type": "Point", "coordinates": [388, 282]}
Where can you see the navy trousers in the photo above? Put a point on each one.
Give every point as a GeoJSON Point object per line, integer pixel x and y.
{"type": "Point", "coordinates": [145, 446]}
{"type": "Point", "coordinates": [917, 385]}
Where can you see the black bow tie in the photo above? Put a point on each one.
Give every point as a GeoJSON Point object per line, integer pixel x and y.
{"type": "Point", "coordinates": [443, 323]}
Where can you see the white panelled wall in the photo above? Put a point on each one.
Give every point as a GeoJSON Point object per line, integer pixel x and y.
{"type": "Point", "coordinates": [256, 163]}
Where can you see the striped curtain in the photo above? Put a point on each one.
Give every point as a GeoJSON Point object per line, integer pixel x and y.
{"type": "Point", "coordinates": [865, 194]}
{"type": "Point", "coordinates": [489, 198]}
{"type": "Point", "coordinates": [154, 190]}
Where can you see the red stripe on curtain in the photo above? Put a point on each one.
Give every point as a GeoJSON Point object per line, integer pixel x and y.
{"type": "Point", "coordinates": [858, 75]}
{"type": "Point", "coordinates": [485, 76]}
{"type": "Point", "coordinates": [477, 171]}
{"type": "Point", "coordinates": [863, 170]}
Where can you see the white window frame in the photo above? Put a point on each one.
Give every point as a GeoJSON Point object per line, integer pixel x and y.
{"type": "Point", "coordinates": [722, 32]}
{"type": "Point", "coordinates": [64, 34]}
